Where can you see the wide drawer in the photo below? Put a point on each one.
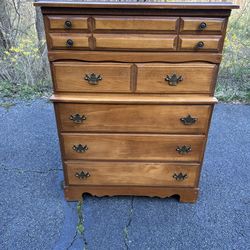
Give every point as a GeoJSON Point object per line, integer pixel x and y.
{"type": "Point", "coordinates": [176, 78]}
{"type": "Point", "coordinates": [200, 43]}
{"type": "Point", "coordinates": [91, 77]}
{"type": "Point", "coordinates": [142, 42]}
{"type": "Point", "coordinates": [133, 147]}
{"type": "Point", "coordinates": [67, 22]}
{"type": "Point", "coordinates": [202, 25]}
{"type": "Point", "coordinates": [133, 118]}
{"type": "Point", "coordinates": [133, 23]}
{"type": "Point", "coordinates": [132, 173]}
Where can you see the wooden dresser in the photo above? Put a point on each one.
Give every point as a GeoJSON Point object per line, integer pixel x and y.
{"type": "Point", "coordinates": [133, 93]}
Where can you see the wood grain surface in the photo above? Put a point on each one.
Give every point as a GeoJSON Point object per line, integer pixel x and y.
{"type": "Point", "coordinates": [133, 118]}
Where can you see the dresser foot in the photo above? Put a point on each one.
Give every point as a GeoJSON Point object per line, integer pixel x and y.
{"type": "Point", "coordinates": [189, 195]}
{"type": "Point", "coordinates": [75, 193]}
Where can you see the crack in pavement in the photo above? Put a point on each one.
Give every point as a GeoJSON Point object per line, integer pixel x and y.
{"type": "Point", "coordinates": [80, 229]}
{"type": "Point", "coordinates": [73, 240]}
{"type": "Point", "coordinates": [126, 228]}
{"type": "Point", "coordinates": [20, 170]}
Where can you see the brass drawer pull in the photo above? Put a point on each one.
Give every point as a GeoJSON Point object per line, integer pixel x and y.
{"type": "Point", "coordinates": [183, 149]}
{"type": "Point", "coordinates": [82, 175]}
{"type": "Point", "coordinates": [67, 25]}
{"type": "Point", "coordinates": [80, 148]}
{"type": "Point", "coordinates": [69, 43]}
{"type": "Point", "coordinates": [203, 25]}
{"type": "Point", "coordinates": [173, 80]}
{"type": "Point", "coordinates": [180, 176]}
{"type": "Point", "coordinates": [93, 78]}
{"type": "Point", "coordinates": [77, 118]}
{"type": "Point", "coordinates": [188, 120]}
{"type": "Point", "coordinates": [200, 44]}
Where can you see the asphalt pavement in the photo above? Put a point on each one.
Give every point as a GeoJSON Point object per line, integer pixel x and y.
{"type": "Point", "coordinates": [34, 214]}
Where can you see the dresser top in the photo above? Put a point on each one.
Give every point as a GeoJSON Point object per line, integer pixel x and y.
{"type": "Point", "coordinates": [132, 4]}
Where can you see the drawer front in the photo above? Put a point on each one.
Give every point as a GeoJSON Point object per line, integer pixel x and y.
{"type": "Point", "coordinates": [133, 147]}
{"type": "Point", "coordinates": [200, 43]}
{"type": "Point", "coordinates": [133, 118]}
{"type": "Point", "coordinates": [91, 77]}
{"type": "Point", "coordinates": [135, 24]}
{"type": "Point", "coordinates": [202, 25]}
{"type": "Point", "coordinates": [135, 42]}
{"type": "Point", "coordinates": [67, 22]}
{"type": "Point", "coordinates": [132, 173]}
{"type": "Point", "coordinates": [68, 41]}
{"type": "Point", "coordinates": [176, 78]}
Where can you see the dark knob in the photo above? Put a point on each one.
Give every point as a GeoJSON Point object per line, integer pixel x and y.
{"type": "Point", "coordinates": [82, 175]}
{"type": "Point", "coordinates": [173, 80]}
{"type": "Point", "coordinates": [203, 25]}
{"type": "Point", "coordinates": [200, 44]}
{"type": "Point", "coordinates": [78, 118]}
{"type": "Point", "coordinates": [80, 148]}
{"type": "Point", "coordinates": [180, 176]}
{"type": "Point", "coordinates": [69, 43]}
{"type": "Point", "coordinates": [183, 149]}
{"type": "Point", "coordinates": [67, 24]}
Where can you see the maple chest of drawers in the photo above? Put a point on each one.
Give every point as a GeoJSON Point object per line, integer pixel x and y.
{"type": "Point", "coordinates": [133, 93]}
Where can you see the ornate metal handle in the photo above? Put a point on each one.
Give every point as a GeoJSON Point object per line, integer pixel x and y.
{"type": "Point", "coordinates": [82, 175]}
{"type": "Point", "coordinates": [78, 118]}
{"type": "Point", "coordinates": [180, 176]}
{"type": "Point", "coordinates": [173, 80]}
{"type": "Point", "coordinates": [183, 149]}
{"type": "Point", "coordinates": [69, 43]}
{"type": "Point", "coordinates": [203, 25]}
{"type": "Point", "coordinates": [93, 78]}
{"type": "Point", "coordinates": [188, 120]}
{"type": "Point", "coordinates": [200, 44]}
{"type": "Point", "coordinates": [67, 24]}
{"type": "Point", "coordinates": [80, 148]}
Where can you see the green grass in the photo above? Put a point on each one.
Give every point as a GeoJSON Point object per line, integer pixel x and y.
{"type": "Point", "coordinates": [25, 91]}
{"type": "Point", "coordinates": [233, 83]}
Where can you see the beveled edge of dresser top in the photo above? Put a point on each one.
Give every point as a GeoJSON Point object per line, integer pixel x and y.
{"type": "Point", "coordinates": [137, 5]}
{"type": "Point", "coordinates": [133, 98]}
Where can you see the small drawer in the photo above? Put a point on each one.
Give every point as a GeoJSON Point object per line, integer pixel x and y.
{"type": "Point", "coordinates": [133, 147]}
{"type": "Point", "coordinates": [135, 42]}
{"type": "Point", "coordinates": [163, 24]}
{"type": "Point", "coordinates": [68, 41]}
{"type": "Point", "coordinates": [201, 43]}
{"type": "Point", "coordinates": [202, 25]}
{"type": "Point", "coordinates": [67, 23]}
{"type": "Point", "coordinates": [176, 78]}
{"type": "Point", "coordinates": [133, 118]}
{"type": "Point", "coordinates": [132, 173]}
{"type": "Point", "coordinates": [91, 77]}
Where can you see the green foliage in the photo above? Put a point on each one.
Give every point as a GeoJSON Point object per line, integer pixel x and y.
{"type": "Point", "coordinates": [7, 105]}
{"type": "Point", "coordinates": [24, 71]}
{"type": "Point", "coordinates": [80, 227]}
{"type": "Point", "coordinates": [24, 91]}
{"type": "Point", "coordinates": [234, 76]}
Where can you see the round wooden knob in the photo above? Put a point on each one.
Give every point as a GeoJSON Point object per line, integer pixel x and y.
{"type": "Point", "coordinates": [200, 44]}
{"type": "Point", "coordinates": [69, 43]}
{"type": "Point", "coordinates": [67, 24]}
{"type": "Point", "coordinates": [203, 25]}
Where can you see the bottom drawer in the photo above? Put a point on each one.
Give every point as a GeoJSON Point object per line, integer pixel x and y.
{"type": "Point", "coordinates": [132, 173]}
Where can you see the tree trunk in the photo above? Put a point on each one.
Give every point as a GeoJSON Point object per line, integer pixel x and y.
{"type": "Point", "coordinates": [5, 26]}
{"type": "Point", "coordinates": [41, 37]}
{"type": "Point", "coordinates": [40, 30]}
